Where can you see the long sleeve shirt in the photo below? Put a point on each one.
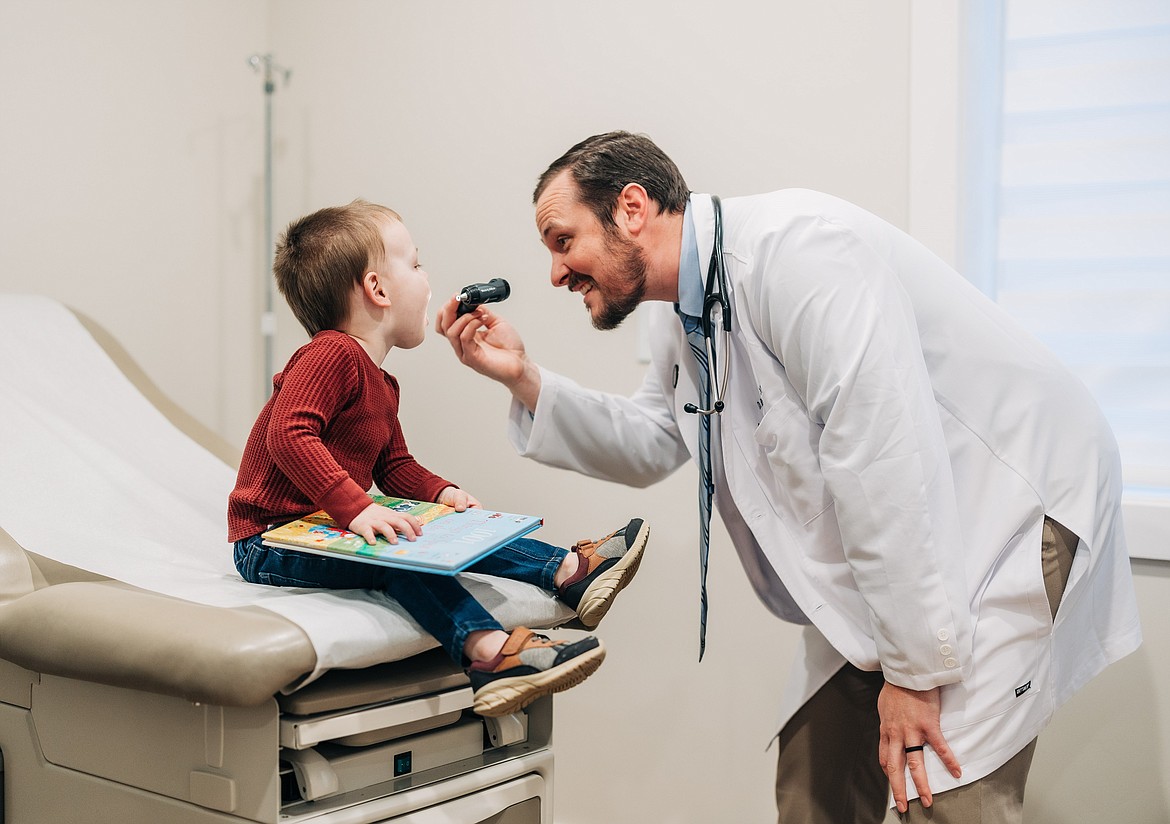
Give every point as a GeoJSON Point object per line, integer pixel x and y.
{"type": "Point", "coordinates": [329, 431]}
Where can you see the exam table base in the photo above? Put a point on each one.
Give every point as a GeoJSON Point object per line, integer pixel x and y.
{"type": "Point", "coordinates": [73, 750]}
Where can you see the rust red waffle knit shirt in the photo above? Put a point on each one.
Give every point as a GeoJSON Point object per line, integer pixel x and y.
{"type": "Point", "coordinates": [329, 431]}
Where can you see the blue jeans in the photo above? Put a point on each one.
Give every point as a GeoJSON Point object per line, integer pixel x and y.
{"type": "Point", "coordinates": [439, 603]}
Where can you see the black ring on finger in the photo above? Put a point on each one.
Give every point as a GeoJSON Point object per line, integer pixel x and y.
{"type": "Point", "coordinates": [919, 748]}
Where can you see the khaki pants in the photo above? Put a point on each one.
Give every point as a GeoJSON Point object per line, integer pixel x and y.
{"type": "Point", "coordinates": [828, 770]}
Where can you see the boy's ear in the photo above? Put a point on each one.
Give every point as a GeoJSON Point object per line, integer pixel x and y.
{"type": "Point", "coordinates": [374, 288]}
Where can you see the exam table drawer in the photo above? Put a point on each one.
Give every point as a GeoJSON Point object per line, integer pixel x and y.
{"type": "Point", "coordinates": [516, 802]}
{"type": "Point", "coordinates": [302, 732]}
{"type": "Point", "coordinates": [515, 792]}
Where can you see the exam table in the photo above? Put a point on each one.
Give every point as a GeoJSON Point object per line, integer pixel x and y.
{"type": "Point", "coordinates": [142, 681]}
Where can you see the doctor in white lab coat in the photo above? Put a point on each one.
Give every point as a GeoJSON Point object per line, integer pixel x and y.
{"type": "Point", "coordinates": [893, 455]}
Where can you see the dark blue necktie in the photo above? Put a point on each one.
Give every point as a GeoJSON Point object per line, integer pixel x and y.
{"type": "Point", "coordinates": [694, 329]}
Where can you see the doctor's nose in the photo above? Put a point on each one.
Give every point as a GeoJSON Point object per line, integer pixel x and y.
{"type": "Point", "coordinates": [560, 272]}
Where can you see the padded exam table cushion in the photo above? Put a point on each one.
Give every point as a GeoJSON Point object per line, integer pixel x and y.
{"type": "Point", "coordinates": [116, 634]}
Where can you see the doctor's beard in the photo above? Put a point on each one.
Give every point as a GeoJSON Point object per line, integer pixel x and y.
{"type": "Point", "coordinates": [626, 279]}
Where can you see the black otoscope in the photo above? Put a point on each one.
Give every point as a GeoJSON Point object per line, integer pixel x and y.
{"type": "Point", "coordinates": [493, 291]}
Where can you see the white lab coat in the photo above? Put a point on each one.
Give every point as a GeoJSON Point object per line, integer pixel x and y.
{"type": "Point", "coordinates": [890, 446]}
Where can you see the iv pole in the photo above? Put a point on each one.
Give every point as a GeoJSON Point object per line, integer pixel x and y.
{"type": "Point", "coordinates": [266, 63]}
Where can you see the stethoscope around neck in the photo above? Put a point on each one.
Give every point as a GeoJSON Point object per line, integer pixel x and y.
{"type": "Point", "coordinates": [716, 307]}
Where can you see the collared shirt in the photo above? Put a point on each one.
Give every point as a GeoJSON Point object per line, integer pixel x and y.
{"type": "Point", "coordinates": [690, 272]}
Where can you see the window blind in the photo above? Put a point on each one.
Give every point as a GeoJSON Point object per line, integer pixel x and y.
{"type": "Point", "coordinates": [1082, 208]}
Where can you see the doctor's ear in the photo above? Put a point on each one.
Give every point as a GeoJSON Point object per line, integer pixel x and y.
{"type": "Point", "coordinates": [633, 208]}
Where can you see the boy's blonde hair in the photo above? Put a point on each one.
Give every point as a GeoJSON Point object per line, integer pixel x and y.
{"type": "Point", "coordinates": [321, 256]}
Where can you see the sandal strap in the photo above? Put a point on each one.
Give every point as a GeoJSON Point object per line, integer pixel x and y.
{"type": "Point", "coordinates": [516, 641]}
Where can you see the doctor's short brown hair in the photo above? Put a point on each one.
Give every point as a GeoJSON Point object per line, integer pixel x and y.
{"type": "Point", "coordinates": [322, 256]}
{"type": "Point", "coordinates": [602, 165]}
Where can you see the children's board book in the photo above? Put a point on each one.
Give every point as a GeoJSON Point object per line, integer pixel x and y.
{"type": "Point", "coordinates": [451, 541]}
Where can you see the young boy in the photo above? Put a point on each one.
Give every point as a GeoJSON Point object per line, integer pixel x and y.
{"type": "Point", "coordinates": [330, 430]}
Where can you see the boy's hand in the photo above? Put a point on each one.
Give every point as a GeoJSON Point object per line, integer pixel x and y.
{"type": "Point", "coordinates": [457, 499]}
{"type": "Point", "coordinates": [377, 520]}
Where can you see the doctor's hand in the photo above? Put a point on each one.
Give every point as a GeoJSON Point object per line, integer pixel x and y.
{"type": "Point", "coordinates": [457, 499]}
{"type": "Point", "coordinates": [910, 718]}
{"type": "Point", "coordinates": [489, 345]}
{"type": "Point", "coordinates": [377, 520]}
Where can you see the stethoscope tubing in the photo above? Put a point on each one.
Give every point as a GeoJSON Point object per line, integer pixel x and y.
{"type": "Point", "coordinates": [716, 297]}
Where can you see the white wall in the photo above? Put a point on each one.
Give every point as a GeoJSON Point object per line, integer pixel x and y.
{"type": "Point", "coordinates": [130, 152]}
{"type": "Point", "coordinates": [130, 186]}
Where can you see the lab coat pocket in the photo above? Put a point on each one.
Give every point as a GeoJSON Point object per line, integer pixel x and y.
{"type": "Point", "coordinates": [1010, 647]}
{"type": "Point", "coordinates": [790, 441]}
